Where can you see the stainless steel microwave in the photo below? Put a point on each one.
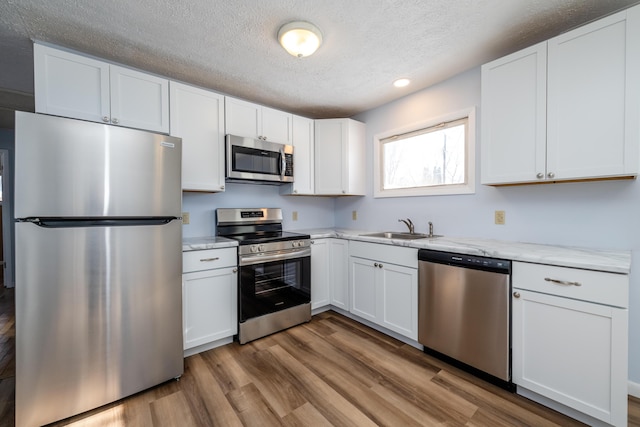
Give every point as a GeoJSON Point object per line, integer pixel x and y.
{"type": "Point", "coordinates": [250, 159]}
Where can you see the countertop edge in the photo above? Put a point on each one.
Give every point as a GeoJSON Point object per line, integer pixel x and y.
{"type": "Point", "coordinates": [612, 261]}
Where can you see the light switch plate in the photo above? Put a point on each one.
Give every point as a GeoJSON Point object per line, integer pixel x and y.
{"type": "Point", "coordinates": [500, 217]}
{"type": "Point", "coordinates": [185, 218]}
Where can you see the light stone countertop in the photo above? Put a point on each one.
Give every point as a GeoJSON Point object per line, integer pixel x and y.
{"type": "Point", "coordinates": [618, 261]}
{"type": "Point", "coordinates": [206, 242]}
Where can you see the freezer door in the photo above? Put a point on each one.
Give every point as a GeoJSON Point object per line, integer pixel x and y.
{"type": "Point", "coordinates": [72, 168]}
{"type": "Point", "coordinates": [98, 316]}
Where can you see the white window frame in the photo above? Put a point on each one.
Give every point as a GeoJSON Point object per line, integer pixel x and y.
{"type": "Point", "coordinates": [468, 187]}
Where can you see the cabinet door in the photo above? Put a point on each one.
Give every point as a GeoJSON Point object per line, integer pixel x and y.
{"type": "Point", "coordinates": [242, 118]}
{"type": "Point", "coordinates": [355, 151]}
{"type": "Point", "coordinates": [139, 100]}
{"type": "Point", "coordinates": [587, 101]}
{"type": "Point", "coordinates": [572, 352]}
{"type": "Point", "coordinates": [70, 85]}
{"type": "Point", "coordinates": [514, 92]}
{"type": "Point", "coordinates": [303, 158]}
{"type": "Point", "coordinates": [320, 273]}
{"type": "Point", "coordinates": [339, 279]}
{"type": "Point", "coordinates": [210, 306]}
{"type": "Point", "coordinates": [399, 303]}
{"type": "Point", "coordinates": [364, 298]}
{"type": "Point", "coordinates": [330, 140]}
{"type": "Point", "coordinates": [197, 116]}
{"type": "Point", "coordinates": [277, 126]}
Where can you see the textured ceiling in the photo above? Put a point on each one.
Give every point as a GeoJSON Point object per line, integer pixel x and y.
{"type": "Point", "coordinates": [230, 46]}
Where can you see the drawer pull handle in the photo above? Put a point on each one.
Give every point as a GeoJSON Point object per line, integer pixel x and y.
{"type": "Point", "coordinates": [209, 259]}
{"type": "Point", "coordinates": [562, 282]}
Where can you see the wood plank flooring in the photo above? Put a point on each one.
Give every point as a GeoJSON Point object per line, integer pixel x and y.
{"type": "Point", "coordinates": [331, 371]}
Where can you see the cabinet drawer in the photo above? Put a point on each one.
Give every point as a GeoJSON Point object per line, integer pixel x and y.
{"type": "Point", "coordinates": [385, 253]}
{"type": "Point", "coordinates": [586, 285]}
{"type": "Point", "coordinates": [209, 259]}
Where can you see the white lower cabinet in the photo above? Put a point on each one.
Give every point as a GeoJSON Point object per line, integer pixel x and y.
{"type": "Point", "coordinates": [339, 279]}
{"type": "Point", "coordinates": [210, 298]}
{"type": "Point", "coordinates": [570, 338]}
{"type": "Point", "coordinates": [329, 276]}
{"type": "Point", "coordinates": [384, 286]}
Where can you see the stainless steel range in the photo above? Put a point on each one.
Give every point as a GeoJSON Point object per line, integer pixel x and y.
{"type": "Point", "coordinates": [274, 283]}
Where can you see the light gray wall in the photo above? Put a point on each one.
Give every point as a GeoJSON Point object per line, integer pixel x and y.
{"type": "Point", "coordinates": [313, 212]}
{"type": "Point", "coordinates": [602, 214]}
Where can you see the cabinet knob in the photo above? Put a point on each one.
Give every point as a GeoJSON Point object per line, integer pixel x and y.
{"type": "Point", "coordinates": [222, 187]}
{"type": "Point", "coordinates": [313, 242]}
{"type": "Point", "coordinates": [379, 265]}
{"type": "Point", "coordinates": [551, 174]}
{"type": "Point", "coordinates": [516, 294]}
{"type": "Point", "coordinates": [105, 119]}
{"type": "Point", "coordinates": [344, 191]}
{"type": "Point", "coordinates": [235, 270]}
{"type": "Point", "coordinates": [375, 264]}
{"type": "Point", "coordinates": [540, 175]}
{"type": "Point", "coordinates": [295, 191]}
{"type": "Point", "coordinates": [114, 121]}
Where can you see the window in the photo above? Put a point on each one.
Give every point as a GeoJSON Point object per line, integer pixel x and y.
{"type": "Point", "coordinates": [428, 158]}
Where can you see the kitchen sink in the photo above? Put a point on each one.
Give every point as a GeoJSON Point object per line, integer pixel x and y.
{"type": "Point", "coordinates": [400, 235]}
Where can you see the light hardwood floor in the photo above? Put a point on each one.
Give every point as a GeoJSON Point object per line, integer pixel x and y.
{"type": "Point", "coordinates": [331, 371]}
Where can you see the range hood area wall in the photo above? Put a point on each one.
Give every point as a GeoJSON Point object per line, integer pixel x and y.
{"type": "Point", "coordinates": [313, 212]}
{"type": "Point", "coordinates": [601, 214]}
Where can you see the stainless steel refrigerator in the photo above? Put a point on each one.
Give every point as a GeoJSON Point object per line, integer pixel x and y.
{"type": "Point", "coordinates": [98, 264]}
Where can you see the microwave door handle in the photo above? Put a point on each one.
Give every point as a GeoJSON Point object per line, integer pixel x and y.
{"type": "Point", "coordinates": [283, 164]}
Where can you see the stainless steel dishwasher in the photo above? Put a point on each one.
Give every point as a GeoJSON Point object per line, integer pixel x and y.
{"type": "Point", "coordinates": [464, 311]}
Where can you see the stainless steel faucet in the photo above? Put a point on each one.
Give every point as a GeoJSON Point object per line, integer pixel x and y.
{"type": "Point", "coordinates": [409, 224]}
{"type": "Point", "coordinates": [430, 229]}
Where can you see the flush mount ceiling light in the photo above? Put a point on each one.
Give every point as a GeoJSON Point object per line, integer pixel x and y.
{"type": "Point", "coordinates": [401, 82]}
{"type": "Point", "coordinates": [300, 38]}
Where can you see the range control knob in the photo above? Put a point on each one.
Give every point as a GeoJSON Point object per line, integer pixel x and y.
{"type": "Point", "coordinates": [261, 248]}
{"type": "Point", "coordinates": [253, 248]}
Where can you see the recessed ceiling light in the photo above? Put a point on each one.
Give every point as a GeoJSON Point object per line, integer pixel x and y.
{"type": "Point", "coordinates": [401, 82]}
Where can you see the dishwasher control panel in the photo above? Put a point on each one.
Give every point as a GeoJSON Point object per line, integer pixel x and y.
{"type": "Point", "coordinates": [462, 260]}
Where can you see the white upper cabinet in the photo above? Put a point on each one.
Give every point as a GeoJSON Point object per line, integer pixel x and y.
{"type": "Point", "coordinates": [303, 158]}
{"type": "Point", "coordinates": [588, 128]}
{"type": "Point", "coordinates": [244, 118]}
{"type": "Point", "coordinates": [565, 109]}
{"type": "Point", "coordinates": [71, 85]}
{"type": "Point", "coordinates": [514, 116]}
{"type": "Point", "coordinates": [197, 116]}
{"type": "Point", "coordinates": [339, 157]}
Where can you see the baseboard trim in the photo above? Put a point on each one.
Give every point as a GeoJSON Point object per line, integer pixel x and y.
{"type": "Point", "coordinates": [634, 389]}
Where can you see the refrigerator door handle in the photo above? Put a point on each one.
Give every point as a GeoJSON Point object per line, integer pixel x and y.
{"type": "Point", "coordinates": [97, 222]}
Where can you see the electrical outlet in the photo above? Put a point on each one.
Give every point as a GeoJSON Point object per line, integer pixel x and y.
{"type": "Point", "coordinates": [500, 217]}
{"type": "Point", "coordinates": [185, 217]}
{"type": "Point", "coordinates": [354, 215]}
{"type": "Point", "coordinates": [294, 215]}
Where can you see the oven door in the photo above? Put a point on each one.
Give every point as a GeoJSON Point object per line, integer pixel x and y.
{"type": "Point", "coordinates": [274, 281]}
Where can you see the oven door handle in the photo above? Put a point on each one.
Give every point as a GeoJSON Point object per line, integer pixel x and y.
{"type": "Point", "coordinates": [273, 256]}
